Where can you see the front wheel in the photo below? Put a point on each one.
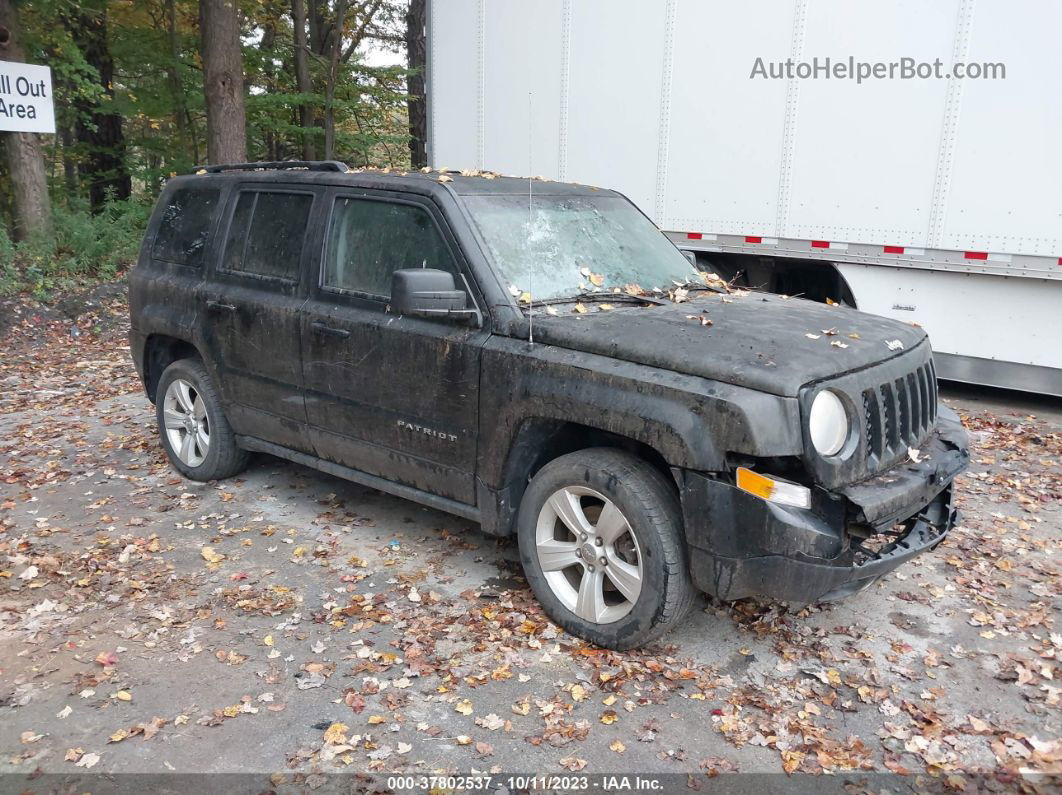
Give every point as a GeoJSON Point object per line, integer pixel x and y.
{"type": "Point", "coordinates": [603, 548]}
{"type": "Point", "coordinates": [192, 425]}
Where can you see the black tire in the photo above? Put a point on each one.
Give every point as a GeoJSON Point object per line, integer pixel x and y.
{"type": "Point", "coordinates": [224, 458]}
{"type": "Point", "coordinates": [651, 507]}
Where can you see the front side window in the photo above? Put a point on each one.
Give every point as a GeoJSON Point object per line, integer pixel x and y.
{"type": "Point", "coordinates": [370, 240]}
{"type": "Point", "coordinates": [185, 226]}
{"type": "Point", "coordinates": [266, 234]}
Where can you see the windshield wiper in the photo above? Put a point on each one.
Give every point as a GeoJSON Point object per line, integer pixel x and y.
{"type": "Point", "coordinates": [702, 288]}
{"type": "Point", "coordinates": [603, 296]}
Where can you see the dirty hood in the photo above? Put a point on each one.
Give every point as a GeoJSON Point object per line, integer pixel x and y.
{"type": "Point", "coordinates": [755, 340]}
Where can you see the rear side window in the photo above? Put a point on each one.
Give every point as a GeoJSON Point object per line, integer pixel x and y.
{"type": "Point", "coordinates": [370, 239]}
{"type": "Point", "coordinates": [266, 234]}
{"type": "Point", "coordinates": [185, 226]}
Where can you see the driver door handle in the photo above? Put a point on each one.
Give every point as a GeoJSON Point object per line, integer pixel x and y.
{"type": "Point", "coordinates": [220, 306]}
{"type": "Point", "coordinates": [321, 328]}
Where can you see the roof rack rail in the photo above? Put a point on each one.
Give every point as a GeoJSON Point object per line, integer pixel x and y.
{"type": "Point", "coordinates": [309, 165]}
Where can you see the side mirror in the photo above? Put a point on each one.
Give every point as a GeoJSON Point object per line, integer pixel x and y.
{"type": "Point", "coordinates": [426, 292]}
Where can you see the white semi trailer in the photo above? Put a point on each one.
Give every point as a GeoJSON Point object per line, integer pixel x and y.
{"type": "Point", "coordinates": [894, 187]}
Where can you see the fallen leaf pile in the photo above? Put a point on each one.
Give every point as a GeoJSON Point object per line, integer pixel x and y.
{"type": "Point", "coordinates": [145, 612]}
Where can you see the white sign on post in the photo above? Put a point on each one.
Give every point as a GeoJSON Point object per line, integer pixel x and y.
{"type": "Point", "coordinates": [26, 98]}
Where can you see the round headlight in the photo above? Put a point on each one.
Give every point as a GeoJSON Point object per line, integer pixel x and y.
{"type": "Point", "coordinates": [828, 423]}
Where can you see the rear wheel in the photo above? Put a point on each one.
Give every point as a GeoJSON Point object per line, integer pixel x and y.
{"type": "Point", "coordinates": [194, 432]}
{"type": "Point", "coordinates": [602, 546]}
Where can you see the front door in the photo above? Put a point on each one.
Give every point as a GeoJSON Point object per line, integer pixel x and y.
{"type": "Point", "coordinates": [252, 314]}
{"type": "Point", "coordinates": [392, 396]}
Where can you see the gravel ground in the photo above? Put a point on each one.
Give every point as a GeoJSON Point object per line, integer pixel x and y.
{"type": "Point", "coordinates": [287, 625]}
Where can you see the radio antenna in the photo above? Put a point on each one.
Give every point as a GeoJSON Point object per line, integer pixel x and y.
{"type": "Point", "coordinates": [531, 256]}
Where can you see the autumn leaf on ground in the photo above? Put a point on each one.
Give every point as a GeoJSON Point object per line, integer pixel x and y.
{"type": "Point", "coordinates": [573, 763]}
{"type": "Point", "coordinates": [464, 707]}
{"type": "Point", "coordinates": [491, 722]}
{"type": "Point", "coordinates": [336, 734]}
{"type": "Point", "coordinates": [212, 558]}
{"type": "Point", "coordinates": [617, 746]}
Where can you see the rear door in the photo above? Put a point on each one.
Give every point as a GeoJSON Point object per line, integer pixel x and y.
{"type": "Point", "coordinates": [396, 397]}
{"type": "Point", "coordinates": [252, 312]}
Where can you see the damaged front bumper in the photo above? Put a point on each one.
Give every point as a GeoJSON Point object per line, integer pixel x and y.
{"type": "Point", "coordinates": [741, 545]}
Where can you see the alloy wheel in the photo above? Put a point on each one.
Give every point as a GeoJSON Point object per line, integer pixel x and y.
{"type": "Point", "coordinates": [589, 554]}
{"type": "Point", "coordinates": [187, 426]}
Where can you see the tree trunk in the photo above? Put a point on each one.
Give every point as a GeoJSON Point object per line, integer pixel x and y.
{"type": "Point", "coordinates": [331, 79]}
{"type": "Point", "coordinates": [417, 62]}
{"type": "Point", "coordinates": [100, 132]}
{"type": "Point", "coordinates": [302, 77]}
{"type": "Point", "coordinates": [180, 111]}
{"type": "Point", "coordinates": [223, 82]}
{"type": "Point", "coordinates": [25, 164]}
{"type": "Point", "coordinates": [66, 138]}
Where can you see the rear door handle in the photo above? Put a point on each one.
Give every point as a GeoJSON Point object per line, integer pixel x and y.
{"type": "Point", "coordinates": [220, 306]}
{"type": "Point", "coordinates": [321, 328]}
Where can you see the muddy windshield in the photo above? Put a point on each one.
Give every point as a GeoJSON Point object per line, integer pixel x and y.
{"type": "Point", "coordinates": [568, 245]}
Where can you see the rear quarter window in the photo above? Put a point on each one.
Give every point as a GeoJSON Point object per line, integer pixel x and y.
{"type": "Point", "coordinates": [266, 234]}
{"type": "Point", "coordinates": [184, 228]}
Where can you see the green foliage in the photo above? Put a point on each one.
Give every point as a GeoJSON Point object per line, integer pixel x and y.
{"type": "Point", "coordinates": [86, 247]}
{"type": "Point", "coordinates": [157, 91]}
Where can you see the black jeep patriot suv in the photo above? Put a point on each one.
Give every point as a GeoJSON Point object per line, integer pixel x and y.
{"type": "Point", "coordinates": [537, 357]}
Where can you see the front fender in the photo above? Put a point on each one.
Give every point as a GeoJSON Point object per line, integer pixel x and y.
{"type": "Point", "coordinates": [692, 422]}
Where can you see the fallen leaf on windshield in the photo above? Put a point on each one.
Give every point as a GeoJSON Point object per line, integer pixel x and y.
{"type": "Point", "coordinates": [811, 336]}
{"type": "Point", "coordinates": [596, 279]}
{"type": "Point", "coordinates": [525, 298]}
{"type": "Point", "coordinates": [679, 295]}
{"type": "Point", "coordinates": [551, 310]}
{"type": "Point", "coordinates": [605, 307]}
{"type": "Point", "coordinates": [839, 344]}
{"type": "Point", "coordinates": [444, 178]}
{"type": "Point", "coordinates": [514, 290]}
{"type": "Point", "coordinates": [829, 332]}
{"type": "Point", "coordinates": [581, 309]}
